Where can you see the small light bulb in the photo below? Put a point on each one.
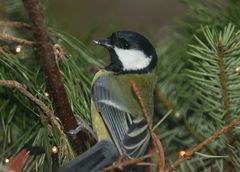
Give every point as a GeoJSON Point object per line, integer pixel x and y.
{"type": "Point", "coordinates": [54, 149]}
{"type": "Point", "coordinates": [46, 94]}
{"type": "Point", "coordinates": [182, 153]}
{"type": "Point", "coordinates": [18, 49]}
{"type": "Point", "coordinates": [177, 114]}
{"type": "Point", "coordinates": [6, 160]}
{"type": "Point", "coordinates": [237, 69]}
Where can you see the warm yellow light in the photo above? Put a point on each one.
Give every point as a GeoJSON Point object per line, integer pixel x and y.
{"type": "Point", "coordinates": [46, 94]}
{"type": "Point", "coordinates": [54, 149]}
{"type": "Point", "coordinates": [177, 114]}
{"type": "Point", "coordinates": [182, 153]}
{"type": "Point", "coordinates": [18, 49]}
{"type": "Point", "coordinates": [6, 160]}
{"type": "Point", "coordinates": [237, 69]}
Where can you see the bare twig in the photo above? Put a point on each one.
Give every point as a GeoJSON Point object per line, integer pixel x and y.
{"type": "Point", "coordinates": [141, 102]}
{"type": "Point", "coordinates": [121, 165]}
{"type": "Point", "coordinates": [49, 66]}
{"type": "Point", "coordinates": [211, 138]}
{"type": "Point", "coordinates": [15, 24]}
{"type": "Point", "coordinates": [157, 144]}
{"type": "Point", "coordinates": [9, 38]}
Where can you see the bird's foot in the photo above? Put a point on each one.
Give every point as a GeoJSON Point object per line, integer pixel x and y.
{"type": "Point", "coordinates": [121, 158]}
{"type": "Point", "coordinates": [119, 162]}
{"type": "Point", "coordinates": [82, 124]}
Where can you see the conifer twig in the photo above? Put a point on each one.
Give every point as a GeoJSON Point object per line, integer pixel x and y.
{"type": "Point", "coordinates": [3, 52]}
{"type": "Point", "coordinates": [223, 83]}
{"type": "Point", "coordinates": [25, 92]}
{"type": "Point", "coordinates": [121, 165]}
{"type": "Point", "coordinates": [225, 94]}
{"type": "Point", "coordinates": [162, 98]}
{"type": "Point", "coordinates": [157, 144]}
{"type": "Point", "coordinates": [50, 114]}
{"type": "Point", "coordinates": [211, 138]}
{"type": "Point", "coordinates": [9, 38]}
{"type": "Point", "coordinates": [144, 109]}
{"type": "Point", "coordinates": [39, 103]}
{"type": "Point", "coordinates": [15, 24]}
{"type": "Point", "coordinates": [52, 73]}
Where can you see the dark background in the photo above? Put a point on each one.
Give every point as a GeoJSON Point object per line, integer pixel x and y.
{"type": "Point", "coordinates": [90, 18]}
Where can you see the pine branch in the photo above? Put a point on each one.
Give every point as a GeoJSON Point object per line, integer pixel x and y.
{"type": "Point", "coordinates": [3, 52]}
{"type": "Point", "coordinates": [50, 114]}
{"type": "Point", "coordinates": [164, 101]}
{"type": "Point", "coordinates": [223, 83]}
{"type": "Point", "coordinates": [9, 38]}
{"type": "Point", "coordinates": [39, 103]}
{"type": "Point", "coordinates": [211, 138]}
{"type": "Point", "coordinates": [121, 165]}
{"type": "Point", "coordinates": [141, 102]}
{"type": "Point", "coordinates": [157, 144]}
{"type": "Point", "coordinates": [49, 66]}
{"type": "Point", "coordinates": [215, 73]}
{"type": "Point", "coordinates": [15, 24]}
{"type": "Point", "coordinates": [226, 102]}
{"type": "Point", "coordinates": [198, 137]}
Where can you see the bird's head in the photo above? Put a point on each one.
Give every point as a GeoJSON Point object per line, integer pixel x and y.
{"type": "Point", "coordinates": [130, 52]}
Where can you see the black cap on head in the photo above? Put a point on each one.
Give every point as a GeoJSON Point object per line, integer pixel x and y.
{"type": "Point", "coordinates": [130, 52]}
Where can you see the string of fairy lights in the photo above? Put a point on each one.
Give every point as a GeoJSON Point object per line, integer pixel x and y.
{"type": "Point", "coordinates": [54, 154]}
{"type": "Point", "coordinates": [18, 49]}
{"type": "Point", "coordinates": [54, 150]}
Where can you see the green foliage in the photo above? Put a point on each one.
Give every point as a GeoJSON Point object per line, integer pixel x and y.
{"type": "Point", "coordinates": [192, 87]}
{"type": "Point", "coordinates": [77, 69]}
{"type": "Point", "coordinates": [193, 60]}
{"type": "Point", "coordinates": [215, 60]}
{"type": "Point", "coordinates": [21, 119]}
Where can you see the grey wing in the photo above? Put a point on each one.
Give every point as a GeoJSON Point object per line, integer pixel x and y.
{"type": "Point", "coordinates": [130, 134]}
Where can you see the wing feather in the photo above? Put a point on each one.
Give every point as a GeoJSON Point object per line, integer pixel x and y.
{"type": "Point", "coordinates": [129, 132]}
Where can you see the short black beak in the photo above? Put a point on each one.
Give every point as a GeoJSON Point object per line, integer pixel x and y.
{"type": "Point", "coordinates": [103, 42]}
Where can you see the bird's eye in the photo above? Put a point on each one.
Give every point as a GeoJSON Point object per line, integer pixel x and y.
{"type": "Point", "coordinates": [126, 45]}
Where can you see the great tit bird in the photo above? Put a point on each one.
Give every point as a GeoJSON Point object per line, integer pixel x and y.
{"type": "Point", "coordinates": [117, 117]}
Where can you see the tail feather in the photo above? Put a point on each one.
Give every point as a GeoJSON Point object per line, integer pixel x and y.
{"type": "Point", "coordinates": [98, 156]}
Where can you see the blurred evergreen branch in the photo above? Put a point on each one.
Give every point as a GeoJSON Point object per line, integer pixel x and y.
{"type": "Point", "coordinates": [181, 94]}
{"type": "Point", "coordinates": [214, 75]}
{"type": "Point", "coordinates": [208, 140]}
{"type": "Point", "coordinates": [24, 68]}
{"type": "Point", "coordinates": [77, 82]}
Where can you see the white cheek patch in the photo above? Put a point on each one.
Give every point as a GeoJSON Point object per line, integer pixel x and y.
{"type": "Point", "coordinates": [132, 59]}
